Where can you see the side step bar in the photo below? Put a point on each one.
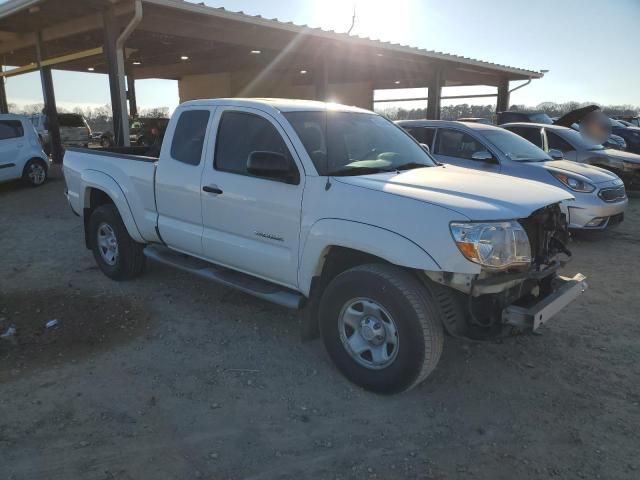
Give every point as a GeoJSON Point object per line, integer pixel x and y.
{"type": "Point", "coordinates": [245, 283]}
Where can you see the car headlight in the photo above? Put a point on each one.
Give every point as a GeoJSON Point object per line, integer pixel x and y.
{"type": "Point", "coordinates": [573, 183]}
{"type": "Point", "coordinates": [496, 245]}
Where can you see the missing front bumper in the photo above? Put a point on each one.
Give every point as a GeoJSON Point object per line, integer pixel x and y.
{"type": "Point", "coordinates": [533, 316]}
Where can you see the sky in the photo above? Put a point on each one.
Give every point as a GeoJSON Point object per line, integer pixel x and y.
{"type": "Point", "coordinates": [590, 47]}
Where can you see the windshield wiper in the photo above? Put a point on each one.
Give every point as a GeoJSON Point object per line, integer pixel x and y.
{"type": "Point", "coordinates": [359, 171]}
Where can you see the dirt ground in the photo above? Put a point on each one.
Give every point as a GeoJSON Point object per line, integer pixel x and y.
{"type": "Point", "coordinates": [171, 377]}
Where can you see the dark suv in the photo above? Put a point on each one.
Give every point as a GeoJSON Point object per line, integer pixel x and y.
{"type": "Point", "coordinates": [530, 117]}
{"type": "Point", "coordinates": [142, 131]}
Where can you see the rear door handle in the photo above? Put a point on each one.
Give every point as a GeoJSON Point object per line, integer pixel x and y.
{"type": "Point", "coordinates": [212, 189]}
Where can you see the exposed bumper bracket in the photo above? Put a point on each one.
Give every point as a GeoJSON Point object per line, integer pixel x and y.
{"type": "Point", "coordinates": [534, 316]}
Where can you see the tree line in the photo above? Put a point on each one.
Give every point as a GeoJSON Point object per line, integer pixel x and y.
{"type": "Point", "coordinates": [99, 118]}
{"type": "Point", "coordinates": [464, 110]}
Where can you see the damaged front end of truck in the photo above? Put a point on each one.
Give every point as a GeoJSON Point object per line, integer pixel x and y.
{"type": "Point", "coordinates": [519, 298]}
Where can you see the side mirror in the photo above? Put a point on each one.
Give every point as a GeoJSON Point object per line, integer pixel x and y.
{"type": "Point", "coordinates": [271, 165]}
{"type": "Point", "coordinates": [482, 156]}
{"type": "Point", "coordinates": [556, 154]}
{"type": "Point", "coordinates": [426, 147]}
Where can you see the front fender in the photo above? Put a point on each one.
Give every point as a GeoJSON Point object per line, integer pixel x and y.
{"type": "Point", "coordinates": [101, 181]}
{"type": "Point", "coordinates": [363, 237]}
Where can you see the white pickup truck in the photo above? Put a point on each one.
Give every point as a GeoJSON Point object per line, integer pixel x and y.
{"type": "Point", "coordinates": [337, 211]}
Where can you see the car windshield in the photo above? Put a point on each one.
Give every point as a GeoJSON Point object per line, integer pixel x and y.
{"type": "Point", "coordinates": [350, 143]}
{"type": "Point", "coordinates": [514, 146]}
{"type": "Point", "coordinates": [578, 140]}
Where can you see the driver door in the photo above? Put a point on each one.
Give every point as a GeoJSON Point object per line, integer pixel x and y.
{"type": "Point", "coordinates": [456, 147]}
{"type": "Point", "coordinates": [251, 223]}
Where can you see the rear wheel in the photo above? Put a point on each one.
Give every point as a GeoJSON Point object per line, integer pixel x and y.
{"type": "Point", "coordinates": [381, 328]}
{"type": "Point", "coordinates": [118, 255]}
{"type": "Point", "coordinates": [35, 172]}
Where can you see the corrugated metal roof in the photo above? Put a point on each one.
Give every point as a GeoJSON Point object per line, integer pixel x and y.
{"type": "Point", "coordinates": [316, 31]}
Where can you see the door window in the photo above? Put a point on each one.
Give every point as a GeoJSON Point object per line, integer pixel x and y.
{"type": "Point", "coordinates": [555, 141]}
{"type": "Point", "coordinates": [239, 135]}
{"type": "Point", "coordinates": [534, 135]}
{"type": "Point", "coordinates": [188, 138]}
{"type": "Point", "coordinates": [422, 135]}
{"type": "Point", "coordinates": [10, 129]}
{"type": "Point", "coordinates": [454, 143]}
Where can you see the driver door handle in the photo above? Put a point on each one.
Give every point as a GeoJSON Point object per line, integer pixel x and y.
{"type": "Point", "coordinates": [212, 189]}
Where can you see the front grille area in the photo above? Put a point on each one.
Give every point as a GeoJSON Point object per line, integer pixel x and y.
{"type": "Point", "coordinates": [614, 194]}
{"type": "Point", "coordinates": [547, 232]}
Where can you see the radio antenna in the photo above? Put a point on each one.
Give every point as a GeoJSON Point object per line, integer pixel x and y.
{"type": "Point", "coordinates": [353, 19]}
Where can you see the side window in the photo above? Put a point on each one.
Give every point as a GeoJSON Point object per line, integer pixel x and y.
{"type": "Point", "coordinates": [10, 129]}
{"type": "Point", "coordinates": [422, 134]}
{"type": "Point", "coordinates": [188, 138]}
{"type": "Point", "coordinates": [240, 134]}
{"type": "Point", "coordinates": [555, 141]}
{"type": "Point", "coordinates": [534, 135]}
{"type": "Point", "coordinates": [454, 143]}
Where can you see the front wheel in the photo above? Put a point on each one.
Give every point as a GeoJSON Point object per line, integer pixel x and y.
{"type": "Point", "coordinates": [118, 255]}
{"type": "Point", "coordinates": [380, 327]}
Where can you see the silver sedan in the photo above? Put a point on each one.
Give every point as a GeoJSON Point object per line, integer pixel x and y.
{"type": "Point", "coordinates": [600, 196]}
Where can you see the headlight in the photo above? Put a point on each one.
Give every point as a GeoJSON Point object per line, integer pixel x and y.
{"type": "Point", "coordinates": [495, 245]}
{"type": "Point", "coordinates": [573, 183]}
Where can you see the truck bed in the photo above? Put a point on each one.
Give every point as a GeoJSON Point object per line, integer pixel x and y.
{"type": "Point", "coordinates": [128, 171]}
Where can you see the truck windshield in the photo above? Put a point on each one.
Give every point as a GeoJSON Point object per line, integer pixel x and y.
{"type": "Point", "coordinates": [349, 143]}
{"type": "Point", "coordinates": [514, 146]}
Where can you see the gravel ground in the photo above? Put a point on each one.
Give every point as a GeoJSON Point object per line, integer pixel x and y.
{"type": "Point", "coordinates": [169, 376]}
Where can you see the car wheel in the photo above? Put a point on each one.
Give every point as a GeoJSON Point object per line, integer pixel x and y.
{"type": "Point", "coordinates": [35, 172]}
{"type": "Point", "coordinates": [105, 142]}
{"type": "Point", "coordinates": [381, 328]}
{"type": "Point", "coordinates": [118, 255]}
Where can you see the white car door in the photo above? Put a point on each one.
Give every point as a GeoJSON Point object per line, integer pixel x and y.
{"type": "Point", "coordinates": [251, 223]}
{"type": "Point", "coordinates": [12, 146]}
{"type": "Point", "coordinates": [178, 180]}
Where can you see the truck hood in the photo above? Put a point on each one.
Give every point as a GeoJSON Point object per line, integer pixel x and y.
{"type": "Point", "coordinates": [474, 194]}
{"type": "Point", "coordinates": [589, 173]}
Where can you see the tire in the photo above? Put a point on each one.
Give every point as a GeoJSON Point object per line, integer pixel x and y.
{"type": "Point", "coordinates": [105, 142]}
{"type": "Point", "coordinates": [391, 299]}
{"type": "Point", "coordinates": [106, 231]}
{"type": "Point", "coordinates": [35, 172]}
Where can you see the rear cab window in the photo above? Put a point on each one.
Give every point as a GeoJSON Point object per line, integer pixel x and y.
{"type": "Point", "coordinates": [189, 135]}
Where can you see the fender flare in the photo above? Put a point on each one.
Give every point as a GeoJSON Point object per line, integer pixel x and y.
{"type": "Point", "coordinates": [102, 181]}
{"type": "Point", "coordinates": [363, 237]}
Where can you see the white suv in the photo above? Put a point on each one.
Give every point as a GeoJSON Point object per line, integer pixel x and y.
{"type": "Point", "coordinates": [21, 155]}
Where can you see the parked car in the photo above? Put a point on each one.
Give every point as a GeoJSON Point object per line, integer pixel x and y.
{"type": "Point", "coordinates": [534, 117]}
{"type": "Point", "coordinates": [631, 135]}
{"type": "Point", "coordinates": [632, 121]}
{"type": "Point", "coordinates": [74, 130]}
{"type": "Point", "coordinates": [337, 211]}
{"type": "Point", "coordinates": [142, 131]}
{"type": "Point", "coordinates": [96, 136]}
{"type": "Point", "coordinates": [600, 198]}
{"type": "Point", "coordinates": [576, 147]}
{"type": "Point", "coordinates": [575, 118]}
{"type": "Point", "coordinates": [21, 155]}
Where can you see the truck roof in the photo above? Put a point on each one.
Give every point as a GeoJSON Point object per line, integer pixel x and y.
{"type": "Point", "coordinates": [280, 104]}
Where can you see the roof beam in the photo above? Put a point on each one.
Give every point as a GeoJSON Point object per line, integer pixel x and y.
{"type": "Point", "coordinates": [61, 30]}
